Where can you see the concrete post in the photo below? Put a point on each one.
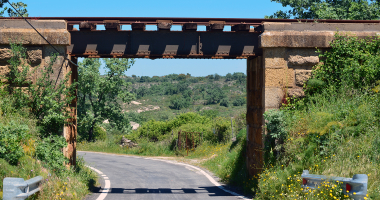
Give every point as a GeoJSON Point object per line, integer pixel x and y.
{"type": "Point", "coordinates": [255, 111]}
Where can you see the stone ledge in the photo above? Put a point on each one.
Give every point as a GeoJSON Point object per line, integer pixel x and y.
{"type": "Point", "coordinates": [30, 37]}
{"type": "Point", "coordinates": [38, 24]}
{"type": "Point", "coordinates": [301, 26]}
{"type": "Point", "coordinates": [304, 39]}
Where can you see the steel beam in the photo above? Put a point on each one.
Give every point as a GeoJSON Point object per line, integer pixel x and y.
{"type": "Point", "coordinates": [162, 44]}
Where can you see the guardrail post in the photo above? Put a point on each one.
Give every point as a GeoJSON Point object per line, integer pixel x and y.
{"type": "Point", "coordinates": [355, 187]}
{"type": "Point", "coordinates": [17, 188]}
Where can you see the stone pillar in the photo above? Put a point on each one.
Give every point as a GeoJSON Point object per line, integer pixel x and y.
{"type": "Point", "coordinates": [70, 130]}
{"type": "Point", "coordinates": [255, 110]}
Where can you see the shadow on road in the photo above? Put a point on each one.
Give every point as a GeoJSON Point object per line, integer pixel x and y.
{"type": "Point", "coordinates": [212, 191]}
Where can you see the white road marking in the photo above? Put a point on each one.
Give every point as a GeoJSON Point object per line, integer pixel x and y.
{"type": "Point", "coordinates": [107, 186]}
{"type": "Point", "coordinates": [211, 179]}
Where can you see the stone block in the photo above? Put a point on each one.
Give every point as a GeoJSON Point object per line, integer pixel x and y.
{"type": "Point", "coordinates": [302, 57]}
{"type": "Point", "coordinates": [34, 54]}
{"type": "Point", "coordinates": [296, 39]}
{"type": "Point", "coordinates": [279, 77]}
{"type": "Point", "coordinates": [296, 92]}
{"type": "Point", "coordinates": [5, 53]}
{"type": "Point", "coordinates": [302, 76]}
{"type": "Point", "coordinates": [273, 97]}
{"type": "Point", "coordinates": [275, 57]}
{"type": "Point", "coordinates": [300, 60]}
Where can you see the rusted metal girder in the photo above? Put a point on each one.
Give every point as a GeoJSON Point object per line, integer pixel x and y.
{"type": "Point", "coordinates": [183, 20]}
{"type": "Point", "coordinates": [163, 44]}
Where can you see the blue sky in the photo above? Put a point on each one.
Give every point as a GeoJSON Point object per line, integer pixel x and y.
{"type": "Point", "coordinates": [162, 8]}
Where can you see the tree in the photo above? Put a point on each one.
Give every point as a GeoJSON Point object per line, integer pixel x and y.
{"type": "Point", "coordinates": [179, 101]}
{"type": "Point", "coordinates": [21, 7]}
{"type": "Point", "coordinates": [228, 77]}
{"type": "Point", "coordinates": [214, 94]}
{"type": "Point", "coordinates": [329, 9]}
{"type": "Point", "coordinates": [101, 97]}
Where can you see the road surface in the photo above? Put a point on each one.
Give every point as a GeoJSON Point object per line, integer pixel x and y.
{"type": "Point", "coordinates": [129, 177]}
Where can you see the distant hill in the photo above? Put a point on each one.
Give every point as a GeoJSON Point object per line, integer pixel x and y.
{"type": "Point", "coordinates": [163, 97]}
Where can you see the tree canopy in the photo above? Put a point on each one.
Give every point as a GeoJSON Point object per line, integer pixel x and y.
{"type": "Point", "coordinates": [329, 9]}
{"type": "Point", "coordinates": [20, 6]}
{"type": "Point", "coordinates": [101, 96]}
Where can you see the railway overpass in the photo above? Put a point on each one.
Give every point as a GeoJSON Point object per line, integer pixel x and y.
{"type": "Point", "coordinates": [280, 53]}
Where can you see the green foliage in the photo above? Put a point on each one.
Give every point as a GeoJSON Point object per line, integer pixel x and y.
{"type": "Point", "coordinates": [275, 124]}
{"type": "Point", "coordinates": [239, 101]}
{"type": "Point", "coordinates": [329, 9]}
{"type": "Point", "coordinates": [21, 7]}
{"type": "Point", "coordinates": [100, 97]}
{"type": "Point", "coordinates": [99, 133]}
{"type": "Point", "coordinates": [214, 130]}
{"type": "Point", "coordinates": [50, 151]}
{"type": "Point", "coordinates": [228, 77]}
{"type": "Point", "coordinates": [12, 136]}
{"type": "Point", "coordinates": [351, 62]}
{"type": "Point", "coordinates": [224, 102]}
{"type": "Point", "coordinates": [214, 94]}
{"type": "Point", "coordinates": [239, 77]}
{"type": "Point", "coordinates": [47, 98]}
{"type": "Point", "coordinates": [178, 102]}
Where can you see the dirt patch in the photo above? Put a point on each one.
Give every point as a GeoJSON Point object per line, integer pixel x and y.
{"type": "Point", "coordinates": [148, 108]}
{"type": "Point", "coordinates": [135, 102]}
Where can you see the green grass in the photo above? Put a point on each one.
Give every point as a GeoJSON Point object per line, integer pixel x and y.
{"type": "Point", "coordinates": [334, 134]}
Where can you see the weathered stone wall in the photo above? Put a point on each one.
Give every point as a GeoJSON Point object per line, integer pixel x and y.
{"type": "Point", "coordinates": [39, 53]}
{"type": "Point", "coordinates": [289, 53]}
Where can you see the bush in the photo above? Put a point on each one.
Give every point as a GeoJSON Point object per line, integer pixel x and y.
{"type": "Point", "coordinates": [350, 62]}
{"type": "Point", "coordinates": [214, 94]}
{"type": "Point", "coordinates": [275, 125]}
{"type": "Point", "coordinates": [12, 136]}
{"type": "Point", "coordinates": [99, 133]}
{"type": "Point", "coordinates": [225, 103]}
{"type": "Point", "coordinates": [239, 101]}
{"type": "Point", "coordinates": [178, 102]}
{"type": "Point", "coordinates": [50, 151]}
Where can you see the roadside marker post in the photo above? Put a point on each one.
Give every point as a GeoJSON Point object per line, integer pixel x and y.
{"type": "Point", "coordinates": [355, 187]}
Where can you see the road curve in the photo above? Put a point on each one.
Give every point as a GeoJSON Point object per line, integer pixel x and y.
{"type": "Point", "coordinates": [132, 177]}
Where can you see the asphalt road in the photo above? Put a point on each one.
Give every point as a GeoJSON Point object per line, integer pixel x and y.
{"type": "Point", "coordinates": [139, 178]}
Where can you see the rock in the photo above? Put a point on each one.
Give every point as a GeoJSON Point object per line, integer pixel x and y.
{"type": "Point", "coordinates": [134, 125]}
{"type": "Point", "coordinates": [127, 143]}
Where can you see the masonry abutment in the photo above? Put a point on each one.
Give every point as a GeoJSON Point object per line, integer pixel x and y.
{"type": "Point", "coordinates": [39, 53]}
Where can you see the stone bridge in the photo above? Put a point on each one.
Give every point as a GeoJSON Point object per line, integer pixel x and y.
{"type": "Point", "coordinates": [280, 57]}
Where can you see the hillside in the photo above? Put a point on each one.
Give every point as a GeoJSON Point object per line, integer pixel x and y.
{"type": "Point", "coordinates": [163, 98]}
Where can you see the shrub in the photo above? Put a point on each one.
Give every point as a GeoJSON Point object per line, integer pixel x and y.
{"type": "Point", "coordinates": [276, 134]}
{"type": "Point", "coordinates": [239, 101]}
{"type": "Point", "coordinates": [12, 136]}
{"type": "Point", "coordinates": [214, 94]}
{"type": "Point", "coordinates": [350, 62]}
{"type": "Point", "coordinates": [178, 102]}
{"type": "Point", "coordinates": [50, 151]}
{"type": "Point", "coordinates": [99, 133]}
{"type": "Point", "coordinates": [224, 102]}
